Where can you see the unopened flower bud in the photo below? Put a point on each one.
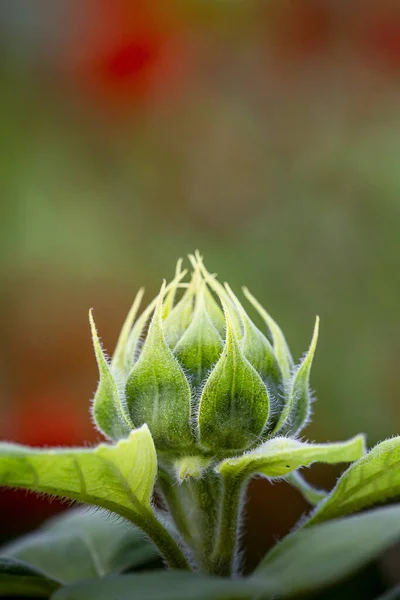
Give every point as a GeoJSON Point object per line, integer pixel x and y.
{"type": "Point", "coordinates": [200, 374]}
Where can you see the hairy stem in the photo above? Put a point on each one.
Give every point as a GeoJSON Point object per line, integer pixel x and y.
{"type": "Point", "coordinates": [193, 505]}
{"type": "Point", "coordinates": [172, 495]}
{"type": "Point", "coordinates": [205, 503]}
{"type": "Point", "coordinates": [225, 550]}
{"type": "Point", "coordinates": [168, 547]}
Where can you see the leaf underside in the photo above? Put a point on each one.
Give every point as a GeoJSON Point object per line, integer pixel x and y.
{"type": "Point", "coordinates": [280, 456]}
{"type": "Point", "coordinates": [373, 479]}
{"type": "Point", "coordinates": [304, 562]}
{"type": "Point", "coordinates": [19, 579]}
{"type": "Point", "coordinates": [80, 544]}
{"type": "Point", "coordinates": [315, 557]}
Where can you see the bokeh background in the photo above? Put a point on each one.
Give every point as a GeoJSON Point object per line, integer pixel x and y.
{"type": "Point", "coordinates": [264, 133]}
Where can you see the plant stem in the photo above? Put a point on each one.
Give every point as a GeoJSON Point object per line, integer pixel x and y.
{"type": "Point", "coordinates": [193, 506]}
{"type": "Point", "coordinates": [205, 494]}
{"type": "Point", "coordinates": [225, 549]}
{"type": "Point", "coordinates": [172, 495]}
{"type": "Point", "coordinates": [166, 544]}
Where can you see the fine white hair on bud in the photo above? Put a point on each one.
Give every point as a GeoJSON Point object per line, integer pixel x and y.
{"type": "Point", "coordinates": [196, 369]}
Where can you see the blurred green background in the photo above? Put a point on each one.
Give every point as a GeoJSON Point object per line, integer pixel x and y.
{"type": "Point", "coordinates": [264, 133]}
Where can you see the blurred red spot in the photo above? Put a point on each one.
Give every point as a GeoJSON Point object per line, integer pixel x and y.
{"type": "Point", "coordinates": [122, 52]}
{"type": "Point", "coordinates": [49, 422]}
{"type": "Point", "coordinates": [132, 58]}
{"type": "Point", "coordinates": [381, 37]}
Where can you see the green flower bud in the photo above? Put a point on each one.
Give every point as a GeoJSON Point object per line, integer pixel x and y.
{"type": "Point", "coordinates": [201, 375]}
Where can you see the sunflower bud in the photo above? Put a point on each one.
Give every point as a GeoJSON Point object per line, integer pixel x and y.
{"type": "Point", "coordinates": [200, 374]}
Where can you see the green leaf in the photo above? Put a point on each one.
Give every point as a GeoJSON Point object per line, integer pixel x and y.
{"type": "Point", "coordinates": [297, 410]}
{"type": "Point", "coordinates": [119, 478]}
{"type": "Point", "coordinates": [373, 479]}
{"type": "Point", "coordinates": [281, 347]}
{"type": "Point", "coordinates": [19, 579]}
{"type": "Point", "coordinates": [313, 558]}
{"type": "Point", "coordinates": [80, 544]}
{"type": "Point", "coordinates": [201, 345]}
{"type": "Point", "coordinates": [157, 390]}
{"type": "Point", "coordinates": [109, 406]}
{"type": "Point", "coordinates": [393, 594]}
{"type": "Point", "coordinates": [280, 456]}
{"type": "Point", "coordinates": [234, 405]}
{"type": "Point", "coordinates": [160, 585]}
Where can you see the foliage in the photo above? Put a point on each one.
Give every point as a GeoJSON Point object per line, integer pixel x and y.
{"type": "Point", "coordinates": [196, 401]}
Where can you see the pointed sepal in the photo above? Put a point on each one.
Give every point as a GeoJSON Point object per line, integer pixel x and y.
{"type": "Point", "coordinates": [121, 361]}
{"type": "Point", "coordinates": [213, 308]}
{"type": "Point", "coordinates": [157, 390]}
{"type": "Point", "coordinates": [223, 296]}
{"type": "Point", "coordinates": [259, 352]}
{"type": "Point", "coordinates": [280, 345]}
{"type": "Point", "coordinates": [234, 405]}
{"type": "Point", "coordinates": [296, 412]}
{"type": "Point", "coordinates": [200, 347]}
{"type": "Point", "coordinates": [109, 408]}
{"type": "Point", "coordinates": [139, 327]}
{"type": "Point", "coordinates": [169, 300]}
{"type": "Point", "coordinates": [179, 317]}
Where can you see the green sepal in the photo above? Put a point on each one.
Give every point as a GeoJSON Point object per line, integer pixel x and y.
{"type": "Point", "coordinates": [169, 299]}
{"type": "Point", "coordinates": [201, 345]}
{"type": "Point", "coordinates": [259, 352]}
{"type": "Point", "coordinates": [213, 308]}
{"type": "Point", "coordinates": [234, 405]}
{"type": "Point", "coordinates": [139, 327]}
{"type": "Point", "coordinates": [178, 319]}
{"type": "Point", "coordinates": [281, 348]}
{"type": "Point", "coordinates": [215, 313]}
{"type": "Point", "coordinates": [296, 412]}
{"type": "Point", "coordinates": [157, 390]}
{"type": "Point", "coordinates": [109, 407]}
{"type": "Point", "coordinates": [280, 456]}
{"type": "Point", "coordinates": [120, 362]}
{"type": "Point", "coordinates": [223, 296]}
